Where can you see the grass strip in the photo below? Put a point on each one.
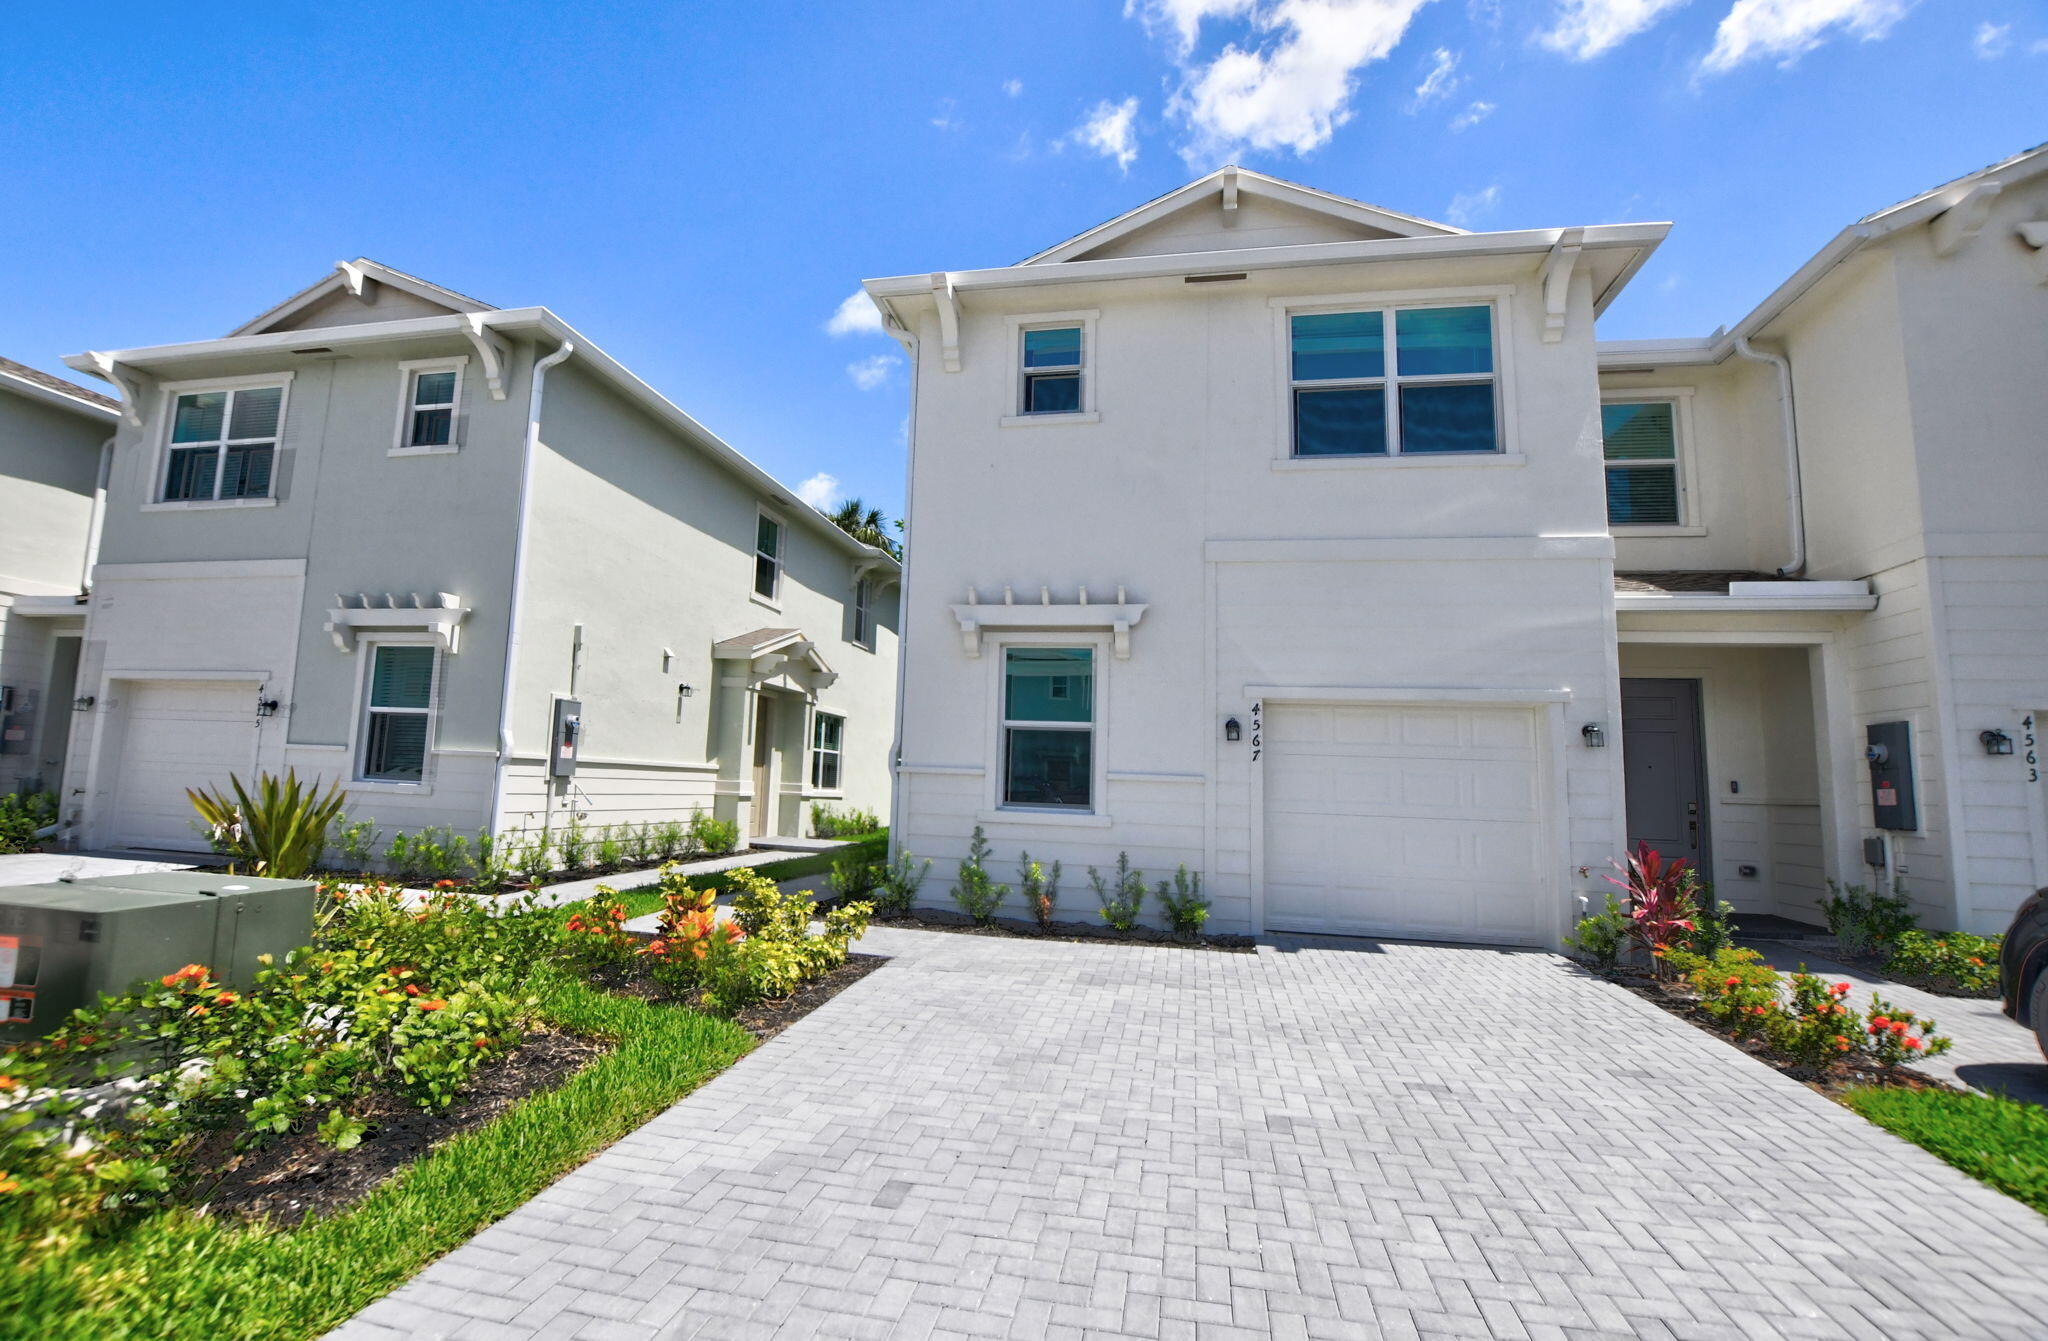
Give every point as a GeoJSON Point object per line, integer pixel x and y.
{"type": "Point", "coordinates": [179, 1274]}
{"type": "Point", "coordinates": [1994, 1139]}
{"type": "Point", "coordinates": [874, 847]}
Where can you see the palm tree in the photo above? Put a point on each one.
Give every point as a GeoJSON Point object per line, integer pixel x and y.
{"type": "Point", "coordinates": [863, 523]}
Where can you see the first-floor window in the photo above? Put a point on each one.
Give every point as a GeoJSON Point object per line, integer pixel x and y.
{"type": "Point", "coordinates": [398, 714]}
{"type": "Point", "coordinates": [828, 738]}
{"type": "Point", "coordinates": [1049, 727]}
{"type": "Point", "coordinates": [222, 444]}
{"type": "Point", "coordinates": [1640, 441]}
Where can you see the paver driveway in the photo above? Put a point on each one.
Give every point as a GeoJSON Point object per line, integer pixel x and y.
{"type": "Point", "coordinates": [1005, 1138]}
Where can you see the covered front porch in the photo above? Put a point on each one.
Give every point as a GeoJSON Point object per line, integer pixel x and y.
{"type": "Point", "coordinates": [769, 732]}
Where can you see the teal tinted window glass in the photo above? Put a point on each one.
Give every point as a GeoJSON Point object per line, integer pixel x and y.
{"type": "Point", "coordinates": [1439, 340]}
{"type": "Point", "coordinates": [1049, 684]}
{"type": "Point", "coordinates": [1638, 432]}
{"type": "Point", "coordinates": [255, 413]}
{"type": "Point", "coordinates": [403, 677]}
{"type": "Point", "coordinates": [198, 416]}
{"type": "Point", "coordinates": [1642, 495]}
{"type": "Point", "coordinates": [1452, 418]}
{"type": "Point", "coordinates": [1048, 768]}
{"type": "Point", "coordinates": [1347, 421]}
{"type": "Point", "coordinates": [397, 747]}
{"type": "Point", "coordinates": [1052, 393]}
{"type": "Point", "coordinates": [1056, 347]}
{"type": "Point", "coordinates": [191, 474]}
{"type": "Point", "coordinates": [245, 472]}
{"type": "Point", "coordinates": [434, 388]}
{"type": "Point", "coordinates": [1328, 346]}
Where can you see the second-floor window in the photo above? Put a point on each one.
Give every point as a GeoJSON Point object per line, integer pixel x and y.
{"type": "Point", "coordinates": [433, 398]}
{"type": "Point", "coordinates": [864, 612]}
{"type": "Point", "coordinates": [767, 557]}
{"type": "Point", "coordinates": [1640, 442]}
{"type": "Point", "coordinates": [1392, 382]}
{"type": "Point", "coordinates": [1052, 370]}
{"type": "Point", "coordinates": [223, 444]}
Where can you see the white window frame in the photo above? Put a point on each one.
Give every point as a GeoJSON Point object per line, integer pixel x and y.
{"type": "Point", "coordinates": [817, 788]}
{"type": "Point", "coordinates": [996, 809]}
{"type": "Point", "coordinates": [1090, 372]}
{"type": "Point", "coordinates": [408, 378]}
{"type": "Point", "coordinates": [160, 467]}
{"type": "Point", "coordinates": [359, 728]}
{"type": "Point", "coordinates": [864, 612]}
{"type": "Point", "coordinates": [1498, 297]}
{"type": "Point", "coordinates": [1689, 522]}
{"type": "Point", "coordinates": [755, 554]}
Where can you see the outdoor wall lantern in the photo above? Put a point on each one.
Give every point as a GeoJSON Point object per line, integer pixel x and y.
{"type": "Point", "coordinates": [1995, 741]}
{"type": "Point", "coordinates": [1593, 735]}
{"type": "Point", "coordinates": [266, 707]}
{"type": "Point", "coordinates": [83, 703]}
{"type": "Point", "coordinates": [684, 691]}
{"type": "Point", "coordinates": [1231, 730]}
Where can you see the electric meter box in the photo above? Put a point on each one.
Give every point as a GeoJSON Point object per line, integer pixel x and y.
{"type": "Point", "coordinates": [568, 735]}
{"type": "Point", "coordinates": [65, 945]}
{"type": "Point", "coordinates": [1889, 750]}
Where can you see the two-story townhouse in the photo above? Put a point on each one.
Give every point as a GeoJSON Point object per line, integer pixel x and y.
{"type": "Point", "coordinates": [1876, 426]}
{"type": "Point", "coordinates": [464, 562]}
{"type": "Point", "coordinates": [53, 444]}
{"type": "Point", "coordinates": [1261, 530]}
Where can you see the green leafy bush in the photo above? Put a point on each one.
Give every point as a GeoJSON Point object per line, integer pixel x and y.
{"type": "Point", "coordinates": [595, 936]}
{"type": "Point", "coordinates": [354, 844]}
{"type": "Point", "coordinates": [777, 952]}
{"type": "Point", "coordinates": [1817, 1028]}
{"type": "Point", "coordinates": [901, 879]}
{"type": "Point", "coordinates": [1737, 989]}
{"type": "Point", "coordinates": [712, 837]}
{"type": "Point", "coordinates": [1896, 1035]}
{"type": "Point", "coordinates": [1600, 936]}
{"type": "Point", "coordinates": [854, 875]}
{"type": "Point", "coordinates": [534, 862]}
{"type": "Point", "coordinates": [1864, 921]}
{"type": "Point", "coordinates": [827, 822]}
{"type": "Point", "coordinates": [497, 856]}
{"type": "Point", "coordinates": [1954, 961]}
{"type": "Point", "coordinates": [1187, 911]}
{"type": "Point", "coordinates": [279, 830]}
{"type": "Point", "coordinates": [573, 847]}
{"type": "Point", "coordinates": [1039, 887]}
{"type": "Point", "coordinates": [1121, 899]}
{"type": "Point", "coordinates": [974, 890]}
{"type": "Point", "coordinates": [1713, 920]}
{"type": "Point", "coordinates": [21, 814]}
{"type": "Point", "coordinates": [2000, 1141]}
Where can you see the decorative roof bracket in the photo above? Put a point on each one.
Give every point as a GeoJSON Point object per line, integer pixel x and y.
{"type": "Point", "coordinates": [356, 278]}
{"type": "Point", "coordinates": [131, 397]}
{"type": "Point", "coordinates": [1964, 219]}
{"type": "Point", "coordinates": [1229, 196]}
{"type": "Point", "coordinates": [491, 351]}
{"type": "Point", "coordinates": [2035, 235]}
{"type": "Point", "coordinates": [949, 319]}
{"type": "Point", "coordinates": [1557, 282]}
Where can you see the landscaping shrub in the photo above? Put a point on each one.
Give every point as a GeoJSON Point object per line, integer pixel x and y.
{"type": "Point", "coordinates": [777, 952]}
{"type": "Point", "coordinates": [1600, 936]}
{"type": "Point", "coordinates": [1864, 921]}
{"type": "Point", "coordinates": [1123, 899]}
{"type": "Point", "coordinates": [594, 937]}
{"type": "Point", "coordinates": [1953, 961]}
{"type": "Point", "coordinates": [690, 937]}
{"type": "Point", "coordinates": [21, 814]}
{"type": "Point", "coordinates": [1737, 989]}
{"type": "Point", "coordinates": [279, 831]}
{"type": "Point", "coordinates": [672, 841]}
{"type": "Point", "coordinates": [638, 840]}
{"type": "Point", "coordinates": [1895, 1036]}
{"type": "Point", "coordinates": [850, 823]}
{"type": "Point", "coordinates": [573, 847]}
{"type": "Point", "coordinates": [976, 893]}
{"type": "Point", "coordinates": [354, 844]}
{"type": "Point", "coordinates": [1040, 888]}
{"type": "Point", "coordinates": [1185, 908]}
{"type": "Point", "coordinates": [1817, 1029]}
{"type": "Point", "coordinates": [497, 856]}
{"type": "Point", "coordinates": [1713, 920]}
{"type": "Point", "coordinates": [1660, 906]}
{"type": "Point", "coordinates": [855, 875]}
{"type": "Point", "coordinates": [901, 878]}
{"type": "Point", "coordinates": [611, 853]}
{"type": "Point", "coordinates": [712, 837]}
{"type": "Point", "coordinates": [534, 864]}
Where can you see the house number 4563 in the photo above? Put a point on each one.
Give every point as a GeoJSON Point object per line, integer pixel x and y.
{"type": "Point", "coordinates": [1258, 730]}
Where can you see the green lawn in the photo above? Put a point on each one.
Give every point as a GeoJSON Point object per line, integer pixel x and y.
{"type": "Point", "coordinates": [177, 1274]}
{"type": "Point", "coordinates": [1999, 1141]}
{"type": "Point", "coordinates": [874, 847]}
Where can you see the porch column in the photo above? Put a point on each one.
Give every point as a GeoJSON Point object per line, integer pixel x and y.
{"type": "Point", "coordinates": [1839, 766]}
{"type": "Point", "coordinates": [732, 715]}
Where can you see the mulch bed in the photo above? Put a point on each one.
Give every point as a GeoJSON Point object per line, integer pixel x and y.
{"type": "Point", "coordinates": [1855, 1074]}
{"type": "Point", "coordinates": [939, 919]}
{"type": "Point", "coordinates": [287, 1179]}
{"type": "Point", "coordinates": [1824, 947]}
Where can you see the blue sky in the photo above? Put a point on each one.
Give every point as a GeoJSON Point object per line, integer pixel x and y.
{"type": "Point", "coordinates": [698, 187]}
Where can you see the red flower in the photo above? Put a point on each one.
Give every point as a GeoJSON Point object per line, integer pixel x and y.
{"type": "Point", "coordinates": [1733, 982]}
{"type": "Point", "coordinates": [435, 1004]}
{"type": "Point", "coordinates": [1878, 1022]}
{"type": "Point", "coordinates": [1898, 1026]}
{"type": "Point", "coordinates": [225, 999]}
{"type": "Point", "coordinates": [195, 973]}
{"type": "Point", "coordinates": [412, 989]}
{"type": "Point", "coordinates": [483, 1042]}
{"type": "Point", "coordinates": [1913, 1044]}
{"type": "Point", "coordinates": [1840, 989]}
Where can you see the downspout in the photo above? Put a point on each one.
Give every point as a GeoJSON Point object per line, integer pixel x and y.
{"type": "Point", "coordinates": [1795, 494]}
{"type": "Point", "coordinates": [97, 519]}
{"type": "Point", "coordinates": [512, 614]}
{"type": "Point", "coordinates": [910, 345]}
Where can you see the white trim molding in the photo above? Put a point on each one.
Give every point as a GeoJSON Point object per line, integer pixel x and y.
{"type": "Point", "coordinates": [1406, 694]}
{"type": "Point", "coordinates": [1833, 597]}
{"type": "Point", "coordinates": [1046, 615]}
{"type": "Point", "coordinates": [442, 621]}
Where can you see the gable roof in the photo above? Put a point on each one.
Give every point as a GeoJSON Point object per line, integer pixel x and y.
{"type": "Point", "coordinates": [38, 385]}
{"type": "Point", "coordinates": [1229, 183]}
{"type": "Point", "coordinates": [353, 277]}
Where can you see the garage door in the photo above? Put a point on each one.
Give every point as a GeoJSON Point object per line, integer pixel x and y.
{"type": "Point", "coordinates": [177, 734]}
{"type": "Point", "coordinates": [1421, 822]}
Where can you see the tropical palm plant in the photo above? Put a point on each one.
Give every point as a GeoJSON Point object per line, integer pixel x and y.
{"type": "Point", "coordinates": [864, 524]}
{"type": "Point", "coordinates": [279, 831]}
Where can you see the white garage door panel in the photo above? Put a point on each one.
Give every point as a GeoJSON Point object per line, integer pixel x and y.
{"type": "Point", "coordinates": [177, 734]}
{"type": "Point", "coordinates": [1400, 821]}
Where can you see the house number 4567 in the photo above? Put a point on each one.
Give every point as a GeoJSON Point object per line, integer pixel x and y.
{"type": "Point", "coordinates": [1258, 730]}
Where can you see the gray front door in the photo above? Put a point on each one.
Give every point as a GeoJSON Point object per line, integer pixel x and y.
{"type": "Point", "coordinates": [1660, 749]}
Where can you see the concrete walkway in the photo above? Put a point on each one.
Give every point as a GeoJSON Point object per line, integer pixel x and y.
{"type": "Point", "coordinates": [995, 1137]}
{"type": "Point", "coordinates": [42, 868]}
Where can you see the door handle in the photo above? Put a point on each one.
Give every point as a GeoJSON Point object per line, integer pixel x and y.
{"type": "Point", "coordinates": [1692, 833]}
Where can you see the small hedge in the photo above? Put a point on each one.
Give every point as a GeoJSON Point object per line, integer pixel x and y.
{"type": "Point", "coordinates": [875, 847]}
{"type": "Point", "coordinates": [1996, 1140]}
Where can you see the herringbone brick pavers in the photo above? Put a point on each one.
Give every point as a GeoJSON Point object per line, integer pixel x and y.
{"type": "Point", "coordinates": [1004, 1138]}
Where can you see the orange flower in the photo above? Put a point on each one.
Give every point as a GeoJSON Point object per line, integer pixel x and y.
{"type": "Point", "coordinates": [435, 1004]}
{"type": "Point", "coordinates": [8, 1184]}
{"type": "Point", "coordinates": [412, 989]}
{"type": "Point", "coordinates": [8, 1084]}
{"type": "Point", "coordinates": [1733, 982]}
{"type": "Point", "coordinates": [1878, 1022]}
{"type": "Point", "coordinates": [200, 1010]}
{"type": "Point", "coordinates": [483, 1042]}
{"type": "Point", "coordinates": [1913, 1045]}
{"type": "Point", "coordinates": [226, 999]}
{"type": "Point", "coordinates": [444, 884]}
{"type": "Point", "coordinates": [190, 973]}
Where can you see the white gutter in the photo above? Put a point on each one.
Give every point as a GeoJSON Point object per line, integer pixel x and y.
{"type": "Point", "coordinates": [1795, 494]}
{"type": "Point", "coordinates": [908, 339]}
{"type": "Point", "coordinates": [527, 451]}
{"type": "Point", "coordinates": [96, 520]}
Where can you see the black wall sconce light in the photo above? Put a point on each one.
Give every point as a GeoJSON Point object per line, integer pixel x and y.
{"type": "Point", "coordinates": [1593, 735]}
{"type": "Point", "coordinates": [1232, 731]}
{"type": "Point", "coordinates": [1995, 741]}
{"type": "Point", "coordinates": [684, 690]}
{"type": "Point", "coordinates": [266, 707]}
{"type": "Point", "coordinates": [83, 703]}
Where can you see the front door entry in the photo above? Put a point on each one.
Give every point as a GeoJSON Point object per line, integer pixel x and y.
{"type": "Point", "coordinates": [764, 763]}
{"type": "Point", "coordinates": [1661, 760]}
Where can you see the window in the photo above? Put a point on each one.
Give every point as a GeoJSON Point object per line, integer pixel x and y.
{"type": "Point", "coordinates": [433, 398]}
{"type": "Point", "coordinates": [1640, 441]}
{"type": "Point", "coordinates": [399, 714]}
{"type": "Point", "coordinates": [863, 612]}
{"type": "Point", "coordinates": [1435, 395]}
{"type": "Point", "coordinates": [828, 736]}
{"type": "Point", "coordinates": [767, 556]}
{"type": "Point", "coordinates": [1052, 370]}
{"type": "Point", "coordinates": [222, 444]}
{"type": "Point", "coordinates": [1049, 727]}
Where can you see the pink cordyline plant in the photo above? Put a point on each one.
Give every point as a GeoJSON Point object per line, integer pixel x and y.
{"type": "Point", "coordinates": [1660, 905]}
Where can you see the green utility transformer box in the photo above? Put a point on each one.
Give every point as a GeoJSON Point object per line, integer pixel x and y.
{"type": "Point", "coordinates": [64, 945]}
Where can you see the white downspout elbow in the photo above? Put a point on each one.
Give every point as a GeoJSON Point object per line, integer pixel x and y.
{"type": "Point", "coordinates": [513, 610]}
{"type": "Point", "coordinates": [1795, 494]}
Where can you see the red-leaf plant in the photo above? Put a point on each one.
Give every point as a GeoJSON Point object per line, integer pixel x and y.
{"type": "Point", "coordinates": [1660, 906]}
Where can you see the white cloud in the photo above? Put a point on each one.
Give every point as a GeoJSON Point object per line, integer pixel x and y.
{"type": "Point", "coordinates": [1586, 28]}
{"type": "Point", "coordinates": [1291, 92]}
{"type": "Point", "coordinates": [1442, 78]}
{"type": "Point", "coordinates": [1184, 16]}
{"type": "Point", "coordinates": [1470, 207]}
{"type": "Point", "coordinates": [858, 315]}
{"type": "Point", "coordinates": [872, 371]}
{"type": "Point", "coordinates": [1110, 130]}
{"type": "Point", "coordinates": [821, 491]}
{"type": "Point", "coordinates": [1013, 87]}
{"type": "Point", "coordinates": [1992, 40]}
{"type": "Point", "coordinates": [946, 120]}
{"type": "Point", "coordinates": [1788, 29]}
{"type": "Point", "coordinates": [1472, 116]}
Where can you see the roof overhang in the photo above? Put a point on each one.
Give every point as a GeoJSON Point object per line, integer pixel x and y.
{"type": "Point", "coordinates": [353, 277]}
{"type": "Point", "coordinates": [771, 652]}
{"type": "Point", "coordinates": [47, 395]}
{"type": "Point", "coordinates": [1754, 597]}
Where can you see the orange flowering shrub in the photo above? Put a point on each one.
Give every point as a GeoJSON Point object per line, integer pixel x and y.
{"type": "Point", "coordinates": [1895, 1036]}
{"type": "Point", "coordinates": [595, 934]}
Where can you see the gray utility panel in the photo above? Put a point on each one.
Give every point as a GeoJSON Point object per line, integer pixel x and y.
{"type": "Point", "coordinates": [63, 945]}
